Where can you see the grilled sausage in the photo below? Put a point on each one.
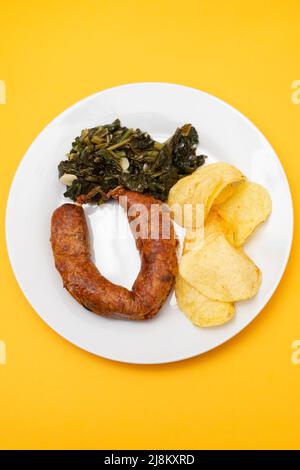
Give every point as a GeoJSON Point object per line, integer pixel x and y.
{"type": "Point", "coordinates": [72, 255]}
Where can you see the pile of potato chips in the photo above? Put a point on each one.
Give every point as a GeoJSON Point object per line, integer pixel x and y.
{"type": "Point", "coordinates": [214, 271]}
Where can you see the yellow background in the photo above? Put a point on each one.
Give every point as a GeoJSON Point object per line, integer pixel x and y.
{"type": "Point", "coordinates": [244, 394]}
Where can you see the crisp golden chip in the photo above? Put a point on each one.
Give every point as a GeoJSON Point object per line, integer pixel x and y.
{"type": "Point", "coordinates": [203, 187]}
{"type": "Point", "coordinates": [193, 240]}
{"type": "Point", "coordinates": [220, 271]}
{"type": "Point", "coordinates": [249, 206]}
{"type": "Point", "coordinates": [225, 194]}
{"type": "Point", "coordinates": [214, 271]}
{"type": "Point", "coordinates": [198, 308]}
{"type": "Point", "coordinates": [229, 176]}
{"type": "Point", "coordinates": [190, 198]}
{"type": "Point", "coordinates": [214, 223]}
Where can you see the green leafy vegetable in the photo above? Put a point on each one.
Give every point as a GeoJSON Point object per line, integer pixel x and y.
{"type": "Point", "coordinates": [104, 157]}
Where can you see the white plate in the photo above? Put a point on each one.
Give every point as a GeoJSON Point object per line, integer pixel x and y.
{"type": "Point", "coordinates": [225, 135]}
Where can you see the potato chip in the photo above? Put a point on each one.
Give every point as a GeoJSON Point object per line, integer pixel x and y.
{"type": "Point", "coordinates": [220, 271]}
{"type": "Point", "coordinates": [189, 192]}
{"type": "Point", "coordinates": [193, 240]}
{"type": "Point", "coordinates": [214, 223]}
{"type": "Point", "coordinates": [225, 194]}
{"type": "Point", "coordinates": [229, 176]}
{"type": "Point", "coordinates": [203, 187]}
{"type": "Point", "coordinates": [249, 206]}
{"type": "Point", "coordinates": [198, 308]}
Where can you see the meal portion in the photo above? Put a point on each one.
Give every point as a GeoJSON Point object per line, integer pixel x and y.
{"type": "Point", "coordinates": [72, 254]}
{"type": "Point", "coordinates": [107, 162]}
{"type": "Point", "coordinates": [116, 162]}
{"type": "Point", "coordinates": [214, 271]}
{"type": "Point", "coordinates": [105, 157]}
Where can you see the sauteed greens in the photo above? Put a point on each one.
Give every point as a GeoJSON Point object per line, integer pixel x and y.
{"type": "Point", "coordinates": [104, 157]}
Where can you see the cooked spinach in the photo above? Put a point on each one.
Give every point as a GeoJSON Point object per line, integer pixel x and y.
{"type": "Point", "coordinates": [104, 157]}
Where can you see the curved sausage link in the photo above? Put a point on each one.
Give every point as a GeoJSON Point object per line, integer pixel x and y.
{"type": "Point", "coordinates": [72, 255]}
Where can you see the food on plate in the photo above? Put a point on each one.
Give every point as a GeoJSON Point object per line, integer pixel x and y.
{"type": "Point", "coordinates": [225, 194]}
{"type": "Point", "coordinates": [193, 240]}
{"type": "Point", "coordinates": [109, 161]}
{"type": "Point", "coordinates": [190, 198]}
{"type": "Point", "coordinates": [205, 186]}
{"type": "Point", "coordinates": [249, 206]}
{"type": "Point", "coordinates": [220, 271]}
{"type": "Point", "coordinates": [214, 223]}
{"type": "Point", "coordinates": [215, 204]}
{"type": "Point", "coordinates": [104, 157]}
{"type": "Point", "coordinates": [198, 308]}
{"type": "Point", "coordinates": [228, 174]}
{"type": "Point", "coordinates": [72, 254]}
{"type": "Point", "coordinates": [214, 271]}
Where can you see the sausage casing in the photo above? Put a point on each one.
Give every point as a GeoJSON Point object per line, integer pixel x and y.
{"type": "Point", "coordinates": [72, 255]}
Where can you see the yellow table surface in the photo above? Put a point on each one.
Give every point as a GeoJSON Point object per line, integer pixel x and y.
{"type": "Point", "coordinates": [244, 394]}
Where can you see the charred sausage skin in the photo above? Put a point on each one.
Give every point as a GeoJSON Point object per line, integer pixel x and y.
{"type": "Point", "coordinates": [72, 255]}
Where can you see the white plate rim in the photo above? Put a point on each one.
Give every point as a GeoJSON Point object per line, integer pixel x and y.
{"type": "Point", "coordinates": [132, 85]}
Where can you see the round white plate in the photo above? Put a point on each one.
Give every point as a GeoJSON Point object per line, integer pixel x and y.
{"type": "Point", "coordinates": [225, 135]}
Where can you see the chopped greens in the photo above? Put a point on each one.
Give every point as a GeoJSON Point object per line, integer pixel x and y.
{"type": "Point", "coordinates": [105, 157]}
